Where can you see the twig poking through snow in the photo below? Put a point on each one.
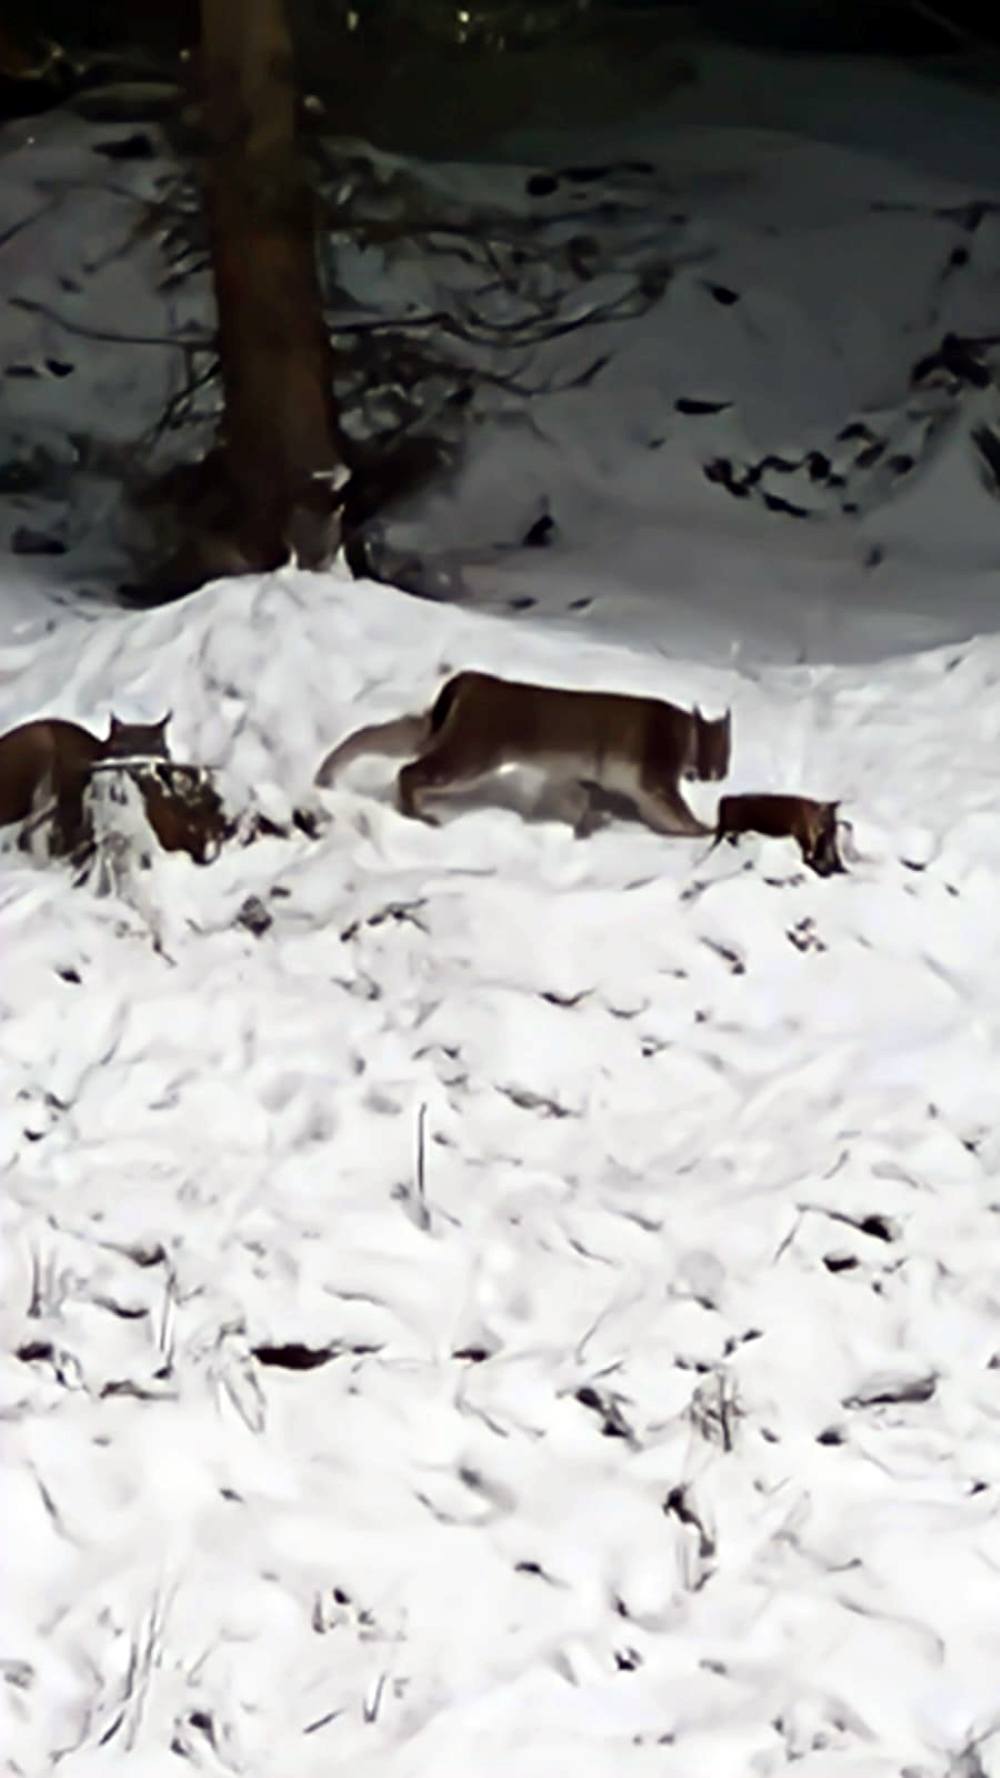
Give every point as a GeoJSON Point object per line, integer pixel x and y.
{"type": "Point", "coordinates": [414, 1198]}
{"type": "Point", "coordinates": [421, 1180]}
{"type": "Point", "coordinates": [372, 1703]}
{"type": "Point", "coordinates": [165, 1332]}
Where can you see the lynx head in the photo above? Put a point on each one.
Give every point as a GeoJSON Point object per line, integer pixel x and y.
{"type": "Point", "coordinates": [712, 739]}
{"type": "Point", "coordinates": [142, 740]}
{"type": "Point", "coordinates": [821, 852]}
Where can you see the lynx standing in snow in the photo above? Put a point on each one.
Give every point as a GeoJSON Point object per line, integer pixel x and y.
{"type": "Point", "coordinates": [583, 741]}
{"type": "Point", "coordinates": [49, 761]}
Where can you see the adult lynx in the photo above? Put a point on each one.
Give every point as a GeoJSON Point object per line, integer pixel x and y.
{"type": "Point", "coordinates": [634, 747]}
{"type": "Point", "coordinates": [49, 761]}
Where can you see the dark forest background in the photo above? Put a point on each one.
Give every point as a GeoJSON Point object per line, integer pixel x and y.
{"type": "Point", "coordinates": [244, 90]}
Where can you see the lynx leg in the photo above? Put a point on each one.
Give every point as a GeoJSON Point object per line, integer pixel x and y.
{"type": "Point", "coordinates": [573, 802]}
{"type": "Point", "coordinates": [69, 823]}
{"type": "Point", "coordinates": [435, 773]}
{"type": "Point", "coordinates": [410, 791]}
{"type": "Point", "coordinates": [56, 821]}
{"type": "Point", "coordinates": [665, 811]}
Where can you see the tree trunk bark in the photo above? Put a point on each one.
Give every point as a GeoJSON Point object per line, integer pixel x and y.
{"type": "Point", "coordinates": [278, 458]}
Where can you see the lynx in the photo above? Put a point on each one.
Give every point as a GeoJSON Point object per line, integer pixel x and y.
{"type": "Point", "coordinates": [585, 742]}
{"type": "Point", "coordinates": [49, 762]}
{"type": "Point", "coordinates": [813, 825]}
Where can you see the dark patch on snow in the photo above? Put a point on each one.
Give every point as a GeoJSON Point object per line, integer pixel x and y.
{"type": "Point", "coordinates": [804, 937]}
{"type": "Point", "coordinates": [527, 1100]}
{"type": "Point", "coordinates": [730, 957]}
{"type": "Point", "coordinates": [690, 404]}
{"type": "Point", "coordinates": [254, 917]}
{"type": "Point", "coordinates": [677, 1505]}
{"type": "Point", "coordinates": [541, 534]}
{"type": "Point", "coordinates": [613, 1421]}
{"type": "Point", "coordinates": [856, 429]}
{"type": "Point", "coordinates": [36, 1352]}
{"type": "Point", "coordinates": [145, 1256]}
{"type": "Point", "coordinates": [53, 367]}
{"type": "Point", "coordinates": [775, 503]}
{"type": "Point", "coordinates": [958, 358]}
{"type": "Point", "coordinates": [27, 542]}
{"type": "Point", "coordinates": [987, 443]}
{"type": "Point", "coordinates": [879, 1227]}
{"type": "Point", "coordinates": [720, 470]}
{"type": "Point", "coordinates": [137, 147]}
{"type": "Point", "coordinates": [723, 294]}
{"type": "Point", "coordinates": [295, 1357]}
{"type": "Point", "coordinates": [885, 1390]}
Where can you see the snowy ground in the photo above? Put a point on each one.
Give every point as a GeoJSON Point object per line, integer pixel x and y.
{"type": "Point", "coordinates": [532, 1309]}
{"type": "Point", "coordinates": [648, 1422]}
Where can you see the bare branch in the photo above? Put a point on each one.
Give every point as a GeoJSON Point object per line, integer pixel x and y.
{"type": "Point", "coordinates": [31, 306]}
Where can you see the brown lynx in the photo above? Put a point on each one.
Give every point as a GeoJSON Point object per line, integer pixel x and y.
{"type": "Point", "coordinates": [50, 761]}
{"type": "Point", "coordinates": [812, 824]}
{"type": "Point", "coordinates": [585, 742]}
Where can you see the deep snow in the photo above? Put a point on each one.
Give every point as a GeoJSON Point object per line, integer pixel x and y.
{"type": "Point", "coordinates": [601, 1461]}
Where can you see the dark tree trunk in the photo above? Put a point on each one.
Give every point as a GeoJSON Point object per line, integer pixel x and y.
{"type": "Point", "coordinates": [274, 349]}
{"type": "Point", "coordinates": [268, 489]}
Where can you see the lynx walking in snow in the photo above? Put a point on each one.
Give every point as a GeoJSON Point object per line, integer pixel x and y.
{"type": "Point", "coordinates": [583, 741]}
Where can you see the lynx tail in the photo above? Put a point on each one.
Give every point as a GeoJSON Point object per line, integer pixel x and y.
{"type": "Point", "coordinates": [404, 734]}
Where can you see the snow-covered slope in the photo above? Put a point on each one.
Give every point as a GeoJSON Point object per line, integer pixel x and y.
{"type": "Point", "coordinates": [533, 1307]}
{"type": "Point", "coordinates": [734, 365]}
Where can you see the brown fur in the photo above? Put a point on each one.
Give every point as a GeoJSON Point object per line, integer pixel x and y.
{"type": "Point", "coordinates": [639, 748]}
{"type": "Point", "coordinates": [184, 810]}
{"type": "Point", "coordinates": [49, 762]}
{"type": "Point", "coordinates": [813, 825]}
